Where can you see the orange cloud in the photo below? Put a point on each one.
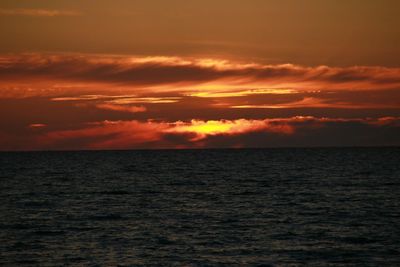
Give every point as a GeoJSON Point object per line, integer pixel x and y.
{"type": "Point", "coordinates": [37, 125]}
{"type": "Point", "coordinates": [232, 133]}
{"type": "Point", "coordinates": [208, 92]}
{"type": "Point", "coordinates": [192, 76]}
{"type": "Point", "coordinates": [123, 108]}
{"type": "Point", "coordinates": [190, 102]}
{"type": "Point", "coordinates": [38, 12]}
{"type": "Point", "coordinates": [154, 100]}
{"type": "Point", "coordinates": [313, 102]}
{"type": "Point", "coordinates": [106, 135]}
{"type": "Point", "coordinates": [203, 129]}
{"type": "Point", "coordinates": [135, 134]}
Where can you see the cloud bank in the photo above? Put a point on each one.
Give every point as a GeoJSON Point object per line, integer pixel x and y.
{"type": "Point", "coordinates": [81, 101]}
{"type": "Point", "coordinates": [180, 72]}
{"type": "Point", "coordinates": [279, 132]}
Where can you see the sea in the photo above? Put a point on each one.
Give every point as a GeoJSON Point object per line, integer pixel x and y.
{"type": "Point", "coordinates": [216, 207]}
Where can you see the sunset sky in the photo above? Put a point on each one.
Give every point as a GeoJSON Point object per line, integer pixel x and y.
{"type": "Point", "coordinates": [145, 74]}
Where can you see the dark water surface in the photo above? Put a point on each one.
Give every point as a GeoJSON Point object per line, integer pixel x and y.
{"type": "Point", "coordinates": [255, 207]}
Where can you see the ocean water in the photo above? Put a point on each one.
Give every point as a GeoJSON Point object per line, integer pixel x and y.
{"type": "Point", "coordinates": [247, 207]}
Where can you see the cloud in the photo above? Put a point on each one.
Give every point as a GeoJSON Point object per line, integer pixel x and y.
{"type": "Point", "coordinates": [105, 135]}
{"type": "Point", "coordinates": [122, 134]}
{"type": "Point", "coordinates": [313, 102]}
{"type": "Point", "coordinates": [202, 76]}
{"type": "Point", "coordinates": [80, 98]}
{"type": "Point", "coordinates": [245, 92]}
{"type": "Point", "coordinates": [39, 12]}
{"type": "Point", "coordinates": [122, 108]}
{"type": "Point", "coordinates": [202, 129]}
{"type": "Point", "coordinates": [154, 100]}
{"type": "Point", "coordinates": [191, 102]}
{"type": "Point", "coordinates": [279, 132]}
{"type": "Point", "coordinates": [37, 125]}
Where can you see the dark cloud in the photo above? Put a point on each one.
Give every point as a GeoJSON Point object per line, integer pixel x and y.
{"type": "Point", "coordinates": [289, 132]}
{"type": "Point", "coordinates": [164, 70]}
{"type": "Point", "coordinates": [313, 134]}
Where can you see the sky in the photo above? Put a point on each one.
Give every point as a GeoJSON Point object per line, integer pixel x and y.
{"type": "Point", "coordinates": [155, 74]}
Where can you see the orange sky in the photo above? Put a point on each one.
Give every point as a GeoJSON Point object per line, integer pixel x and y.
{"type": "Point", "coordinates": [195, 74]}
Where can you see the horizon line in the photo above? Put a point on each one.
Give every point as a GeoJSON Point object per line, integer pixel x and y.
{"type": "Point", "coordinates": [205, 148]}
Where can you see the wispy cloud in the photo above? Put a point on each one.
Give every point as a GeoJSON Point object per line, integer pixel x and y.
{"type": "Point", "coordinates": [198, 74]}
{"type": "Point", "coordinates": [312, 102]}
{"type": "Point", "coordinates": [33, 12]}
{"type": "Point", "coordinates": [37, 125]}
{"type": "Point", "coordinates": [121, 108]}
